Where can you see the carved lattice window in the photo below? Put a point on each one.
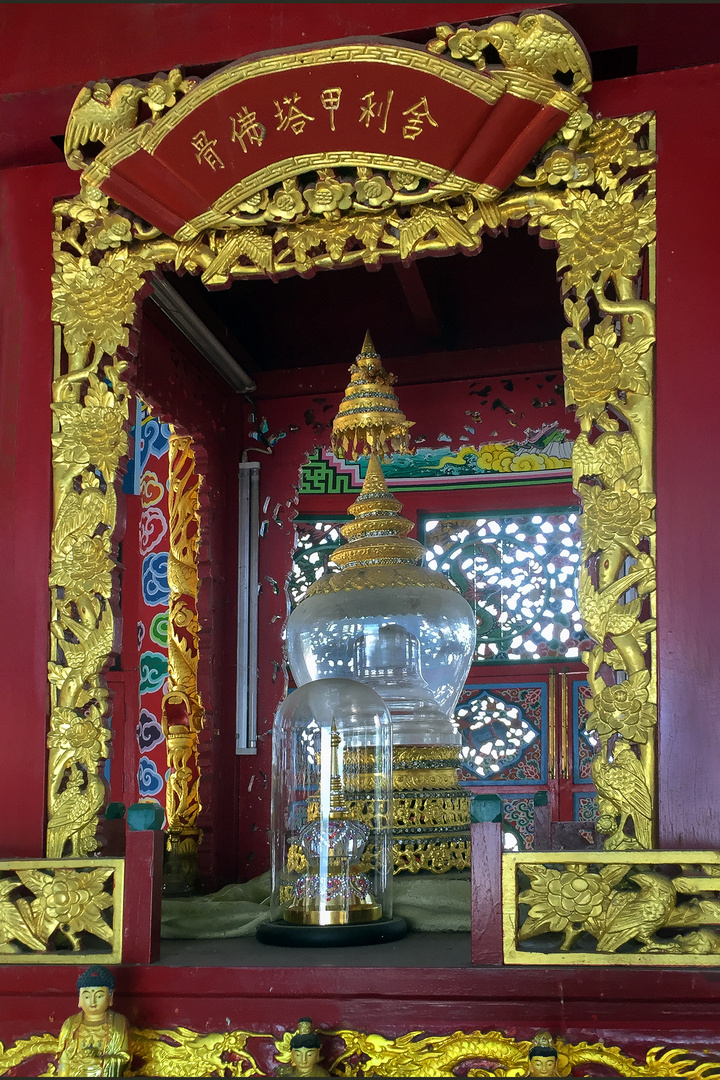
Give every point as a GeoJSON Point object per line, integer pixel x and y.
{"type": "Point", "coordinates": [519, 572]}
{"type": "Point", "coordinates": [315, 542]}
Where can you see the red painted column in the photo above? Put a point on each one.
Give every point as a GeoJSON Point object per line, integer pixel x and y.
{"type": "Point", "coordinates": [143, 896]}
{"type": "Point", "coordinates": [486, 940]}
{"type": "Point", "coordinates": [26, 364]}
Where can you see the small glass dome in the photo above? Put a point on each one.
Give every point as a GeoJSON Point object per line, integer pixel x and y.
{"type": "Point", "coordinates": [332, 818]}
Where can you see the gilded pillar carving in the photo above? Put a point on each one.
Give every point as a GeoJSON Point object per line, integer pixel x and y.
{"type": "Point", "coordinates": [94, 303]}
{"type": "Point", "coordinates": [182, 711]}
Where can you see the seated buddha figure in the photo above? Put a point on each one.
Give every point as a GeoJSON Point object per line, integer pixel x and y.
{"type": "Point", "coordinates": [94, 1041]}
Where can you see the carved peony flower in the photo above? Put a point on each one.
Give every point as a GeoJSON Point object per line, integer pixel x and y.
{"type": "Point", "coordinates": [328, 195]}
{"type": "Point", "coordinates": [85, 567]}
{"type": "Point", "coordinates": [286, 203]}
{"type": "Point", "coordinates": [402, 180]}
{"type": "Point", "coordinates": [69, 731]}
{"type": "Point", "coordinates": [71, 899]}
{"type": "Point", "coordinates": [373, 191]}
{"type": "Point", "coordinates": [599, 235]}
{"type": "Point", "coordinates": [618, 514]}
{"type": "Point", "coordinates": [89, 436]}
{"type": "Point", "coordinates": [591, 374]}
{"type": "Point", "coordinates": [565, 167]}
{"type": "Point", "coordinates": [562, 900]}
{"type": "Point", "coordinates": [624, 709]}
{"type": "Point", "coordinates": [95, 303]}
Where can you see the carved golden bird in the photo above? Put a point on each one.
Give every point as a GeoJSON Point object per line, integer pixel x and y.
{"type": "Point", "coordinates": [100, 114]}
{"type": "Point", "coordinates": [541, 44]}
{"type": "Point", "coordinates": [602, 614]}
{"type": "Point", "coordinates": [72, 811]}
{"type": "Point", "coordinates": [637, 914]}
{"type": "Point", "coordinates": [622, 784]}
{"type": "Point", "coordinates": [13, 926]}
{"type": "Point", "coordinates": [611, 456]}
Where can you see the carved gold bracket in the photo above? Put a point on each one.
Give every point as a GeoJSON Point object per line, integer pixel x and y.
{"type": "Point", "coordinates": [590, 191]}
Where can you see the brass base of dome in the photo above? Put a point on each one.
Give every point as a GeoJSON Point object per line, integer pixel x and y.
{"type": "Point", "coordinates": [359, 913]}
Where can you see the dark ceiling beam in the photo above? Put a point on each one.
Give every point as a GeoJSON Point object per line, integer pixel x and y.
{"type": "Point", "coordinates": [418, 300]}
{"type": "Point", "coordinates": [413, 370]}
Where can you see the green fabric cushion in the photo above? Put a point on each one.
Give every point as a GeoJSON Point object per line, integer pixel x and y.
{"type": "Point", "coordinates": [428, 902]}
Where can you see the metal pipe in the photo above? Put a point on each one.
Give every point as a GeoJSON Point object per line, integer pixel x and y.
{"type": "Point", "coordinates": [194, 329]}
{"type": "Point", "coordinates": [247, 610]}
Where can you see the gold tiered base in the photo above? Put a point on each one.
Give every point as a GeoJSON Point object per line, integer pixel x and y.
{"type": "Point", "coordinates": [430, 812]}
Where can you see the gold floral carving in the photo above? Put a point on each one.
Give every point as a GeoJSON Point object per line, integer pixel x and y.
{"type": "Point", "coordinates": [620, 908]}
{"type": "Point", "coordinates": [184, 1052]}
{"type": "Point", "coordinates": [94, 302]}
{"type": "Point", "coordinates": [590, 191]}
{"type": "Point", "coordinates": [182, 710]}
{"type": "Point", "coordinates": [59, 911]}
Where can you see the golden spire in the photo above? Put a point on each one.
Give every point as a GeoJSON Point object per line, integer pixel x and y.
{"type": "Point", "coordinates": [338, 807]}
{"type": "Point", "coordinates": [378, 535]}
{"type": "Point", "coordinates": [369, 419]}
{"type": "Point", "coordinates": [377, 540]}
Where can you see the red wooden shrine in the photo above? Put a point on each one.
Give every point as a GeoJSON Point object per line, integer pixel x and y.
{"type": "Point", "coordinates": [672, 68]}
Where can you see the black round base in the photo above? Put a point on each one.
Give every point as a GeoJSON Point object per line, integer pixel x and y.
{"type": "Point", "coordinates": [313, 937]}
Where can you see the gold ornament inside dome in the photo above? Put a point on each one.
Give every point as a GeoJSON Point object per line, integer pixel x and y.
{"type": "Point", "coordinates": [369, 419]}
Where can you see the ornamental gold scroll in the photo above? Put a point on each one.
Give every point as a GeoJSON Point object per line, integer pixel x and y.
{"type": "Point", "coordinates": [182, 710]}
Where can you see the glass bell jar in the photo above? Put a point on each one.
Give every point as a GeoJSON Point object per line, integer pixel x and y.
{"type": "Point", "coordinates": [332, 864]}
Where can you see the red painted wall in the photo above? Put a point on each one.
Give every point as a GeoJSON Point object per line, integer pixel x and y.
{"type": "Point", "coordinates": [26, 350]}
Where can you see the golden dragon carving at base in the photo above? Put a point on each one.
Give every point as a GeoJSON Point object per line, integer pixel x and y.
{"type": "Point", "coordinates": [184, 1052]}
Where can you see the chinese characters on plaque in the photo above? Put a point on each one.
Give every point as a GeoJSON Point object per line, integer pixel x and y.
{"type": "Point", "coordinates": [293, 114]}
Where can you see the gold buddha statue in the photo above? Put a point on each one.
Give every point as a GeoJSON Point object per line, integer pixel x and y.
{"type": "Point", "coordinates": [94, 1041]}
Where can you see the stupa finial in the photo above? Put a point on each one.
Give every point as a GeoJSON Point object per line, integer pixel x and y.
{"type": "Point", "coordinates": [369, 419]}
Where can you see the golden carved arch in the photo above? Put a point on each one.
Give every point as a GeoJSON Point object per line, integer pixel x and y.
{"type": "Point", "coordinates": [586, 185]}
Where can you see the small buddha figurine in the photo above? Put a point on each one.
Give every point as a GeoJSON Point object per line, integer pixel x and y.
{"type": "Point", "coordinates": [94, 1041]}
{"type": "Point", "coordinates": [305, 1049]}
{"type": "Point", "coordinates": [542, 1056]}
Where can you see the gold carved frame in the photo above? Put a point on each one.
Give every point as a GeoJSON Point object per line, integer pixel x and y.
{"type": "Point", "coordinates": [590, 192]}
